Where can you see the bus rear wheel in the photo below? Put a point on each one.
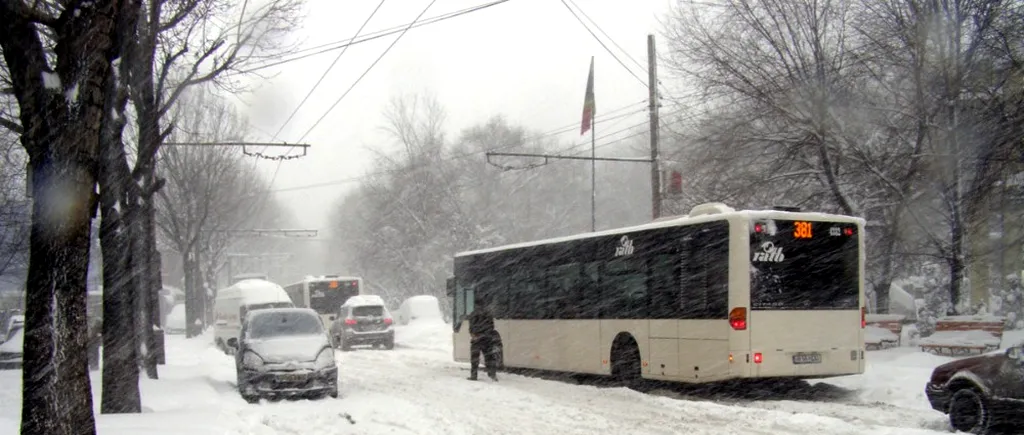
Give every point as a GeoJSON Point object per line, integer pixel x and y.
{"type": "Point", "coordinates": [626, 363]}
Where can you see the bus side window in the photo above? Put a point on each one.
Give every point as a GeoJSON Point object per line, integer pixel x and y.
{"type": "Point", "coordinates": [624, 288]}
{"type": "Point", "coordinates": [562, 289]}
{"type": "Point", "coordinates": [705, 272]}
{"type": "Point", "coordinates": [663, 285]}
{"type": "Point", "coordinates": [590, 292]}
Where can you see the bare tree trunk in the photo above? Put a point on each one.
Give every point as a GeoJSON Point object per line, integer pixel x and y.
{"type": "Point", "coordinates": [192, 310]}
{"type": "Point", "coordinates": [61, 140]}
{"type": "Point", "coordinates": [56, 391]}
{"type": "Point", "coordinates": [120, 370]}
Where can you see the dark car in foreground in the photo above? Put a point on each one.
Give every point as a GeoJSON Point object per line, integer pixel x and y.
{"type": "Point", "coordinates": [981, 392]}
{"type": "Point", "coordinates": [284, 352]}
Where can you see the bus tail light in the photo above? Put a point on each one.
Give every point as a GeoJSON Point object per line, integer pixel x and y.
{"type": "Point", "coordinates": [863, 317]}
{"type": "Point", "coordinates": [738, 318]}
{"type": "Point", "coordinates": [758, 358]}
{"type": "Point", "coordinates": [350, 321]}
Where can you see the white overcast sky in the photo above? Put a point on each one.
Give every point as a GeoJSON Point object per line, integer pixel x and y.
{"type": "Point", "coordinates": [525, 59]}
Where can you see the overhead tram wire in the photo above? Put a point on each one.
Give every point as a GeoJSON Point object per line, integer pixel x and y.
{"type": "Point", "coordinates": [325, 48]}
{"type": "Point", "coordinates": [313, 89]}
{"type": "Point", "coordinates": [360, 78]}
{"type": "Point", "coordinates": [599, 41]}
{"type": "Point", "coordinates": [277, 170]}
{"type": "Point", "coordinates": [328, 70]}
{"type": "Point", "coordinates": [367, 71]}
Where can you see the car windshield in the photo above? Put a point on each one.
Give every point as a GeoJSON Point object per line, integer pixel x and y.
{"type": "Point", "coordinates": [368, 311]}
{"type": "Point", "coordinates": [283, 324]}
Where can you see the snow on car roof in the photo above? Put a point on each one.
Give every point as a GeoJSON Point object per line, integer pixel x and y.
{"type": "Point", "coordinates": [363, 300]}
{"type": "Point", "coordinates": [257, 291]}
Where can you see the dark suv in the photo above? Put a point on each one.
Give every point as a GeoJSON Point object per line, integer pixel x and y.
{"type": "Point", "coordinates": [363, 320]}
{"type": "Point", "coordinates": [980, 392]}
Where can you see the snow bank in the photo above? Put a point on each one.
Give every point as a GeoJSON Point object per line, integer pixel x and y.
{"type": "Point", "coordinates": [429, 334]}
{"type": "Point", "coordinates": [894, 377]}
{"type": "Point", "coordinates": [975, 318]}
{"type": "Point", "coordinates": [961, 338]}
{"type": "Point", "coordinates": [884, 318]}
{"type": "Point", "coordinates": [15, 344]}
{"type": "Point", "coordinates": [875, 335]}
{"type": "Point", "coordinates": [175, 320]}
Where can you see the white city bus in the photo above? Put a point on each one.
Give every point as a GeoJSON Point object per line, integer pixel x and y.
{"type": "Point", "coordinates": [716, 295]}
{"type": "Point", "coordinates": [325, 293]}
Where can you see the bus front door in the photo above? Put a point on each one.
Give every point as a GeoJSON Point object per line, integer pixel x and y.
{"type": "Point", "coordinates": [459, 296]}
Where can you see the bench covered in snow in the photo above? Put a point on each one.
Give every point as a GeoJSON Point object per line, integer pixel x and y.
{"type": "Point", "coordinates": [883, 330]}
{"type": "Point", "coordinates": [960, 335]}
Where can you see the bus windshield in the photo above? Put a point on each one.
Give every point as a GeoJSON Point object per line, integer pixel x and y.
{"type": "Point", "coordinates": [326, 296]}
{"type": "Point", "coordinates": [803, 265]}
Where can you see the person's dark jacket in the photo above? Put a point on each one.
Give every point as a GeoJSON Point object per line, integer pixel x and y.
{"type": "Point", "coordinates": [481, 323]}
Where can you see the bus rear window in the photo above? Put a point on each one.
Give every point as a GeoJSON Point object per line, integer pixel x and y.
{"type": "Point", "coordinates": [325, 298]}
{"type": "Point", "coordinates": [802, 265]}
{"type": "Point", "coordinates": [368, 311]}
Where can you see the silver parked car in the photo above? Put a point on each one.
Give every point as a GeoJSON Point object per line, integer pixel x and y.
{"type": "Point", "coordinates": [284, 352]}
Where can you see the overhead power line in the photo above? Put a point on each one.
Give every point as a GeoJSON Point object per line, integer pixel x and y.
{"type": "Point", "coordinates": [612, 40]}
{"type": "Point", "coordinates": [326, 48]}
{"type": "Point", "coordinates": [367, 71]}
{"type": "Point", "coordinates": [599, 41]}
{"type": "Point", "coordinates": [328, 70]}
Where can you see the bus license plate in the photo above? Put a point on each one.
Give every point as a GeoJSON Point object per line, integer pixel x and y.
{"type": "Point", "coordinates": [807, 358]}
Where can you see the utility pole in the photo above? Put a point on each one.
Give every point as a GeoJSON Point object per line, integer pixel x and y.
{"type": "Point", "coordinates": [652, 87]}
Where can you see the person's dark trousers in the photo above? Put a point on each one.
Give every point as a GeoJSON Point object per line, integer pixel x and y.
{"type": "Point", "coordinates": [485, 346]}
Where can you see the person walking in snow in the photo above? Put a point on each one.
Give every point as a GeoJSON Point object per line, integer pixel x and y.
{"type": "Point", "coordinates": [481, 329]}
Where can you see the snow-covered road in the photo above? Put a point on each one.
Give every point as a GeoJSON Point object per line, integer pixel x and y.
{"type": "Point", "coordinates": [417, 389]}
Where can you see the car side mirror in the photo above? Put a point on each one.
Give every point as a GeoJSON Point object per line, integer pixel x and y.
{"type": "Point", "coordinates": [1014, 353]}
{"type": "Point", "coordinates": [233, 343]}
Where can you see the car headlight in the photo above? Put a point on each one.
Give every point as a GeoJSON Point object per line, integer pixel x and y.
{"type": "Point", "coordinates": [325, 359]}
{"type": "Point", "coordinates": [251, 360]}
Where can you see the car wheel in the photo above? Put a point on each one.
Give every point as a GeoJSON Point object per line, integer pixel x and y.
{"type": "Point", "coordinates": [343, 344]}
{"type": "Point", "coordinates": [389, 344]}
{"type": "Point", "coordinates": [969, 412]}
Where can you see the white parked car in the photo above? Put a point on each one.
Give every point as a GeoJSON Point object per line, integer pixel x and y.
{"type": "Point", "coordinates": [284, 352]}
{"type": "Point", "coordinates": [11, 350]}
{"type": "Point", "coordinates": [422, 307]}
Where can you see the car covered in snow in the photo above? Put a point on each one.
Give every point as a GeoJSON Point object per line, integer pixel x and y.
{"type": "Point", "coordinates": [980, 392]}
{"type": "Point", "coordinates": [11, 350]}
{"type": "Point", "coordinates": [175, 322]}
{"type": "Point", "coordinates": [363, 320]}
{"type": "Point", "coordinates": [420, 307]}
{"type": "Point", "coordinates": [284, 352]}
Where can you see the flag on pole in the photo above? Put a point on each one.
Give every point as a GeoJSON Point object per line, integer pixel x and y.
{"type": "Point", "coordinates": [588, 101]}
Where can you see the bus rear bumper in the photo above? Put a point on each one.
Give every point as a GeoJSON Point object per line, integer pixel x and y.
{"type": "Point", "coordinates": [808, 364]}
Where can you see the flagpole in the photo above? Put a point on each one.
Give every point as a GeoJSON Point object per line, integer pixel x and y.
{"type": "Point", "coordinates": [593, 175]}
